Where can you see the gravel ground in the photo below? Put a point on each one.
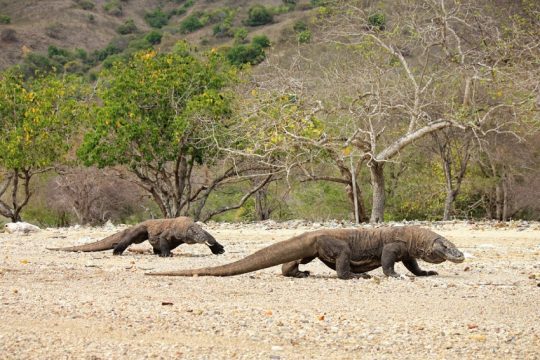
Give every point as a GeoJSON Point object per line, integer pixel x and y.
{"type": "Point", "coordinates": [56, 305]}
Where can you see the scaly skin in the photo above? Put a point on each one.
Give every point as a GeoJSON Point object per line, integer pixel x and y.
{"type": "Point", "coordinates": [163, 234]}
{"type": "Point", "coordinates": [351, 252]}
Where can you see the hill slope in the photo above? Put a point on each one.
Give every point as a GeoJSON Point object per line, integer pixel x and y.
{"type": "Point", "coordinates": [33, 25]}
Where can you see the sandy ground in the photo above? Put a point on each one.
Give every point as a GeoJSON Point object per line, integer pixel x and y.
{"type": "Point", "coordinates": [56, 305]}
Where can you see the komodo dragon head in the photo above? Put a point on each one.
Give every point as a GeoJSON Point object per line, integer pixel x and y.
{"type": "Point", "coordinates": [196, 234]}
{"type": "Point", "coordinates": [441, 250]}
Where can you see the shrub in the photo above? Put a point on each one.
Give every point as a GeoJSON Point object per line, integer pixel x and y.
{"type": "Point", "coordinates": [304, 37]}
{"type": "Point", "coordinates": [191, 24]}
{"type": "Point", "coordinates": [55, 31]}
{"type": "Point", "coordinates": [113, 7]}
{"type": "Point", "coordinates": [128, 27]}
{"type": "Point", "coordinates": [153, 37]}
{"type": "Point", "coordinates": [259, 15]}
{"type": "Point", "coordinates": [240, 35]}
{"type": "Point", "coordinates": [156, 19]}
{"type": "Point", "coordinates": [245, 54]}
{"type": "Point", "coordinates": [4, 19]}
{"type": "Point", "coordinates": [86, 4]}
{"type": "Point", "coordinates": [261, 40]}
{"type": "Point", "coordinates": [8, 35]}
{"type": "Point", "coordinates": [377, 21]}
{"type": "Point", "coordinates": [299, 26]}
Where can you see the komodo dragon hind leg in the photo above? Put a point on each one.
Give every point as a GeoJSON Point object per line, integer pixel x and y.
{"type": "Point", "coordinates": [291, 268]}
{"type": "Point", "coordinates": [412, 265]}
{"type": "Point", "coordinates": [135, 235]}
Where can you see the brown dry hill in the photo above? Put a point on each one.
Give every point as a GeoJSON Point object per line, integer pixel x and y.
{"type": "Point", "coordinates": [34, 25]}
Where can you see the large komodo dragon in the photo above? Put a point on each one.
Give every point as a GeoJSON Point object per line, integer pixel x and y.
{"type": "Point", "coordinates": [351, 252]}
{"type": "Point", "coordinates": [163, 234]}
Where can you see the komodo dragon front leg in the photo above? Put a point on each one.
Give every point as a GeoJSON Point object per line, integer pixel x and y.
{"type": "Point", "coordinates": [411, 264]}
{"type": "Point", "coordinates": [397, 251]}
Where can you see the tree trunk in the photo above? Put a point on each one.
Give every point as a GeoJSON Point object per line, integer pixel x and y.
{"type": "Point", "coordinates": [262, 208]}
{"type": "Point", "coordinates": [377, 183]}
{"type": "Point", "coordinates": [362, 213]}
{"type": "Point", "coordinates": [449, 204]}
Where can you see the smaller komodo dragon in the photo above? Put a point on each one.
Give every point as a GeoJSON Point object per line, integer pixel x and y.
{"type": "Point", "coordinates": [163, 234]}
{"type": "Point", "coordinates": [351, 252]}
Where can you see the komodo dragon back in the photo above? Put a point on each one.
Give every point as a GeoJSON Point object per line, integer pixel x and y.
{"type": "Point", "coordinates": [289, 250]}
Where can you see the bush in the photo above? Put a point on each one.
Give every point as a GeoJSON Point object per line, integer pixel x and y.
{"type": "Point", "coordinates": [240, 35]}
{"type": "Point", "coordinates": [245, 54]}
{"type": "Point", "coordinates": [153, 37]}
{"type": "Point", "coordinates": [128, 27]}
{"type": "Point", "coordinates": [299, 26]}
{"type": "Point", "coordinates": [190, 24]}
{"type": "Point", "coordinates": [8, 35]}
{"type": "Point", "coordinates": [304, 37]}
{"type": "Point", "coordinates": [113, 7]}
{"type": "Point", "coordinates": [156, 19]}
{"type": "Point", "coordinates": [4, 19]}
{"type": "Point", "coordinates": [377, 21]}
{"type": "Point", "coordinates": [55, 31]}
{"type": "Point", "coordinates": [261, 40]}
{"type": "Point", "coordinates": [259, 15]}
{"type": "Point", "coordinates": [86, 4]}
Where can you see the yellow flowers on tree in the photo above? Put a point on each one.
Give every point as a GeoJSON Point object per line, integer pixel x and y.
{"type": "Point", "coordinates": [162, 115]}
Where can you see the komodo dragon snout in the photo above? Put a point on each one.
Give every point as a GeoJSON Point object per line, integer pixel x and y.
{"type": "Point", "coordinates": [445, 250]}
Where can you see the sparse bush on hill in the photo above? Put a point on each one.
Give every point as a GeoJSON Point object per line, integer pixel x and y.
{"type": "Point", "coordinates": [190, 24]}
{"type": "Point", "coordinates": [128, 27]}
{"type": "Point", "coordinates": [153, 37]}
{"type": "Point", "coordinates": [259, 15]}
{"type": "Point", "coordinates": [8, 35]}
{"type": "Point", "coordinates": [156, 19]}
{"type": "Point", "coordinates": [113, 7]}
{"type": "Point", "coordinates": [377, 21]}
{"type": "Point", "coordinates": [261, 40]}
{"type": "Point", "coordinates": [55, 31]}
{"type": "Point", "coordinates": [4, 19]}
{"type": "Point", "coordinates": [240, 35]}
{"type": "Point", "coordinates": [86, 4]}
{"type": "Point", "coordinates": [245, 54]}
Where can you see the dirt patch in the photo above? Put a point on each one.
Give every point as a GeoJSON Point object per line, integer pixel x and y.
{"type": "Point", "coordinates": [96, 305]}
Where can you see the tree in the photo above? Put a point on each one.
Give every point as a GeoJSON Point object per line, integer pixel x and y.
{"type": "Point", "coordinates": [38, 117]}
{"type": "Point", "coordinates": [390, 80]}
{"type": "Point", "coordinates": [162, 114]}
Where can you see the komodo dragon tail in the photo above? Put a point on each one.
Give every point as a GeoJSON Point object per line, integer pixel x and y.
{"type": "Point", "coordinates": [276, 254]}
{"type": "Point", "coordinates": [106, 244]}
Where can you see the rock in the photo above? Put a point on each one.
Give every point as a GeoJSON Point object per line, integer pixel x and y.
{"type": "Point", "coordinates": [20, 228]}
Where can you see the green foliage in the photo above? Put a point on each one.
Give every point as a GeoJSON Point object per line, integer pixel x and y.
{"type": "Point", "coordinates": [152, 106]}
{"type": "Point", "coordinates": [300, 25]}
{"type": "Point", "coordinates": [261, 41]}
{"type": "Point", "coordinates": [245, 54]}
{"type": "Point", "coordinates": [86, 4]}
{"type": "Point", "coordinates": [304, 37]}
{"type": "Point", "coordinates": [37, 117]}
{"type": "Point", "coordinates": [259, 15]}
{"type": "Point", "coordinates": [318, 201]}
{"type": "Point", "coordinates": [224, 18]}
{"type": "Point", "coordinates": [240, 35]}
{"type": "Point", "coordinates": [191, 23]}
{"type": "Point", "coordinates": [156, 19]}
{"type": "Point", "coordinates": [153, 37]}
{"type": "Point", "coordinates": [128, 27]}
{"type": "Point", "coordinates": [5, 19]}
{"type": "Point", "coordinates": [377, 21]}
{"type": "Point", "coordinates": [113, 7]}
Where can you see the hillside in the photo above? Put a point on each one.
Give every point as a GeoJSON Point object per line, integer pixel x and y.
{"type": "Point", "coordinates": [31, 26]}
